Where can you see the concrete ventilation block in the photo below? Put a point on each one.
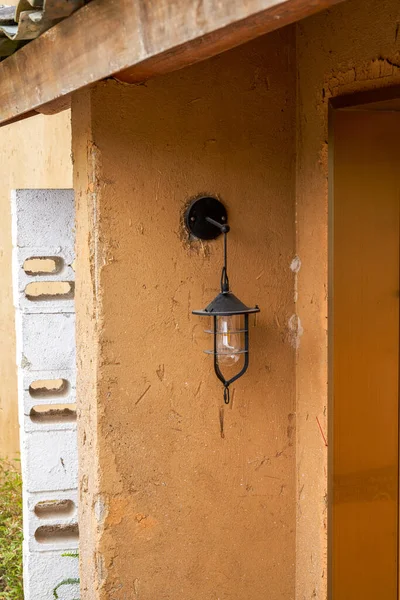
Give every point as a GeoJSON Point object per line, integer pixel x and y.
{"type": "Point", "coordinates": [44, 283]}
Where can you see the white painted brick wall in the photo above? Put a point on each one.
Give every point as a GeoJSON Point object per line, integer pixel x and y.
{"type": "Point", "coordinates": [43, 226]}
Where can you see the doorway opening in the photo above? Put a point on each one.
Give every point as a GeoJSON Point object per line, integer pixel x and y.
{"type": "Point", "coordinates": [364, 354]}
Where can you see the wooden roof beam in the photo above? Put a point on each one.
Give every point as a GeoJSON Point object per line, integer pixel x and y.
{"type": "Point", "coordinates": [133, 40]}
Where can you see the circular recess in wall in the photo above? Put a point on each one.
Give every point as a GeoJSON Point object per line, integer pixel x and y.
{"type": "Point", "coordinates": [197, 213]}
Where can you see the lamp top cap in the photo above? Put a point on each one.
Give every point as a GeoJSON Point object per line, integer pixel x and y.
{"type": "Point", "coordinates": [226, 304]}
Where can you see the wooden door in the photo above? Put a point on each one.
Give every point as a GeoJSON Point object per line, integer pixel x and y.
{"type": "Point", "coordinates": [365, 356]}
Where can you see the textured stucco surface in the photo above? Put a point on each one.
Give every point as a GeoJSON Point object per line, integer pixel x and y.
{"type": "Point", "coordinates": [35, 153]}
{"type": "Point", "coordinates": [353, 47]}
{"type": "Point", "coordinates": [169, 507]}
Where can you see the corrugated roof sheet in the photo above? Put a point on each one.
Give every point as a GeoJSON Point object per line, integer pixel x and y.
{"type": "Point", "coordinates": [29, 19]}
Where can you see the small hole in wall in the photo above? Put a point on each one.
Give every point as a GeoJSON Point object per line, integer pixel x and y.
{"type": "Point", "coordinates": [43, 265]}
{"type": "Point", "coordinates": [47, 509]}
{"type": "Point", "coordinates": [42, 388]}
{"type": "Point", "coordinates": [57, 534]}
{"type": "Point", "coordinates": [50, 290]}
{"type": "Point", "coordinates": [53, 413]}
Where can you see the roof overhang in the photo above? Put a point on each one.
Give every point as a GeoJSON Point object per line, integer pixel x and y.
{"type": "Point", "coordinates": [132, 40]}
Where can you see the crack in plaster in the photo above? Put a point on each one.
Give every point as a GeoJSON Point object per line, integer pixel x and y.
{"type": "Point", "coordinates": [346, 81]}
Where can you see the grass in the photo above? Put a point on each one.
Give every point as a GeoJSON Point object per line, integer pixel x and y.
{"type": "Point", "coordinates": [68, 581]}
{"type": "Point", "coordinates": [11, 587]}
{"type": "Point", "coordinates": [65, 582]}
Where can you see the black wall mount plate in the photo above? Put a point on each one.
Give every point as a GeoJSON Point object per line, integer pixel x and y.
{"type": "Point", "coordinates": [196, 213]}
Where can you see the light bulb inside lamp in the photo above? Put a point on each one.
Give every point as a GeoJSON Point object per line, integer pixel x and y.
{"type": "Point", "coordinates": [230, 339]}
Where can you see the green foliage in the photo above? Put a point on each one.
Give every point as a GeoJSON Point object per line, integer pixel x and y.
{"type": "Point", "coordinates": [10, 532]}
{"type": "Point", "coordinates": [71, 554]}
{"type": "Point", "coordinates": [11, 535]}
{"type": "Point", "coordinates": [67, 581]}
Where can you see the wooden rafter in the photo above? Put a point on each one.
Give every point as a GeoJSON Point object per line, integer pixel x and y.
{"type": "Point", "coordinates": [133, 40]}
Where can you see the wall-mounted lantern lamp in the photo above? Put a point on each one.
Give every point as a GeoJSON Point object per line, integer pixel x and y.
{"type": "Point", "coordinates": [206, 218]}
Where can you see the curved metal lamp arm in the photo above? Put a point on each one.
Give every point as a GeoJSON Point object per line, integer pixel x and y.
{"type": "Point", "coordinates": [225, 229]}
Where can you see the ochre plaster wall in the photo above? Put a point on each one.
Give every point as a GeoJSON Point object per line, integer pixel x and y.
{"type": "Point", "coordinates": [353, 47]}
{"type": "Point", "coordinates": [33, 153]}
{"type": "Point", "coordinates": [170, 508]}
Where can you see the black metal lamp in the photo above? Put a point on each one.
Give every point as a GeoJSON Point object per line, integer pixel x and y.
{"type": "Point", "coordinates": [206, 218]}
